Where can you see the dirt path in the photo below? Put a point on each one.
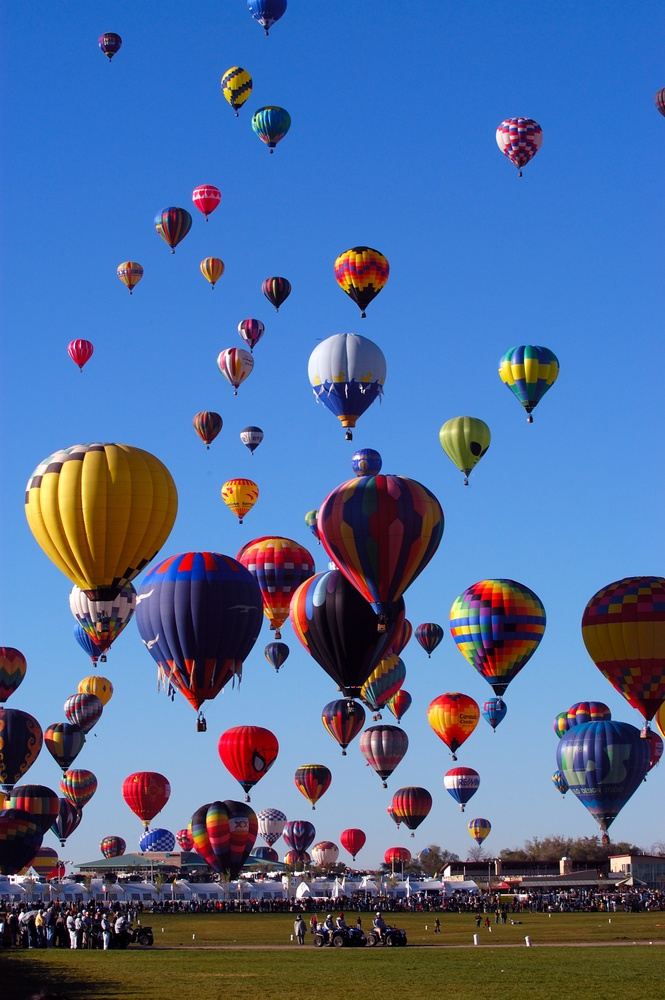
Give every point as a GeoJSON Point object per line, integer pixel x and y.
{"type": "Point", "coordinates": [443, 945]}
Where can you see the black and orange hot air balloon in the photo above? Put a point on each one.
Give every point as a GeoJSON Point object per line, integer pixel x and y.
{"type": "Point", "coordinates": [312, 781]}
{"type": "Point", "coordinates": [361, 272]}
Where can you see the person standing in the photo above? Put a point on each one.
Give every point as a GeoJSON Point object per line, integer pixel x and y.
{"type": "Point", "coordinates": [71, 927]}
{"type": "Point", "coordinates": [299, 929]}
{"type": "Point", "coordinates": [106, 931]}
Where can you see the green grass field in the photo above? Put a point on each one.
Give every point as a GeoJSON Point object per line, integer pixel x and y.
{"type": "Point", "coordinates": [218, 963]}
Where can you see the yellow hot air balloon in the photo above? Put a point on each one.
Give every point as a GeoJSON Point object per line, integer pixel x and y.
{"type": "Point", "coordinates": [101, 512]}
{"type": "Point", "coordinates": [130, 273]}
{"type": "Point", "coordinates": [97, 685]}
{"type": "Point", "coordinates": [240, 495]}
{"type": "Point", "coordinates": [465, 440]}
{"type": "Point", "coordinates": [236, 84]}
{"type": "Point", "coordinates": [212, 268]}
{"type": "Point", "coordinates": [659, 719]}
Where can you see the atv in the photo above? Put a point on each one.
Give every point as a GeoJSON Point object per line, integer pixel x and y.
{"type": "Point", "coordinates": [137, 935]}
{"type": "Point", "coordinates": [392, 937]}
{"type": "Point", "coordinates": [349, 937]}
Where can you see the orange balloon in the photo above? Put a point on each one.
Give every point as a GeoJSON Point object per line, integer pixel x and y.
{"type": "Point", "coordinates": [453, 717]}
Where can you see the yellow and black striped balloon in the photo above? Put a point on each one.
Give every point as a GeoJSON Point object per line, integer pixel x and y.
{"type": "Point", "coordinates": [236, 86]}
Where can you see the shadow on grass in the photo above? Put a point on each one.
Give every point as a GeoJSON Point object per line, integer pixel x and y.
{"type": "Point", "coordinates": [22, 979]}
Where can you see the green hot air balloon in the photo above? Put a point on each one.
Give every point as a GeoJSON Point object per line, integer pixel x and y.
{"type": "Point", "coordinates": [465, 440]}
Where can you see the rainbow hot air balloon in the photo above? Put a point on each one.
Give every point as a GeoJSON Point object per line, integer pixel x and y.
{"type": "Point", "coordinates": [207, 198]}
{"type": "Point", "coordinates": [381, 531]}
{"type": "Point", "coordinates": [40, 803]}
{"type": "Point", "coordinates": [173, 224]}
{"type": "Point", "coordinates": [66, 821]}
{"type": "Point", "coordinates": [494, 711]}
{"type": "Point", "coordinates": [465, 440]}
{"type": "Point", "coordinates": [20, 839]}
{"type": "Point", "coordinates": [347, 373]}
{"type": "Point", "coordinates": [84, 711]}
{"type": "Point", "coordinates": [97, 685]}
{"type": "Point", "coordinates": [623, 628]}
{"type": "Point", "coordinates": [587, 711]}
{"type": "Point", "coordinates": [353, 840]}
{"type": "Point", "coordinates": [64, 742]}
{"type": "Point", "coordinates": [236, 84]}
{"type": "Point", "coordinates": [519, 139]}
{"type": "Point", "coordinates": [112, 847]}
{"type": "Point", "coordinates": [110, 43]}
{"type": "Point", "coordinates": [325, 854]}
{"type": "Point", "coordinates": [529, 371]}
{"type": "Point", "coordinates": [212, 268]}
{"type": "Point", "coordinates": [78, 786]}
{"type": "Point", "coordinates": [383, 747]}
{"type": "Point", "coordinates": [279, 565]}
{"type": "Point", "coordinates": [453, 717]}
{"type": "Point", "coordinates": [559, 782]}
{"type": "Point", "coordinates": [561, 724]}
{"type": "Point", "coordinates": [412, 805]}
{"type": "Point", "coordinates": [236, 365]}
{"type": "Point", "coordinates": [429, 635]}
{"type": "Point", "coordinates": [361, 272]}
{"type": "Point", "coordinates": [271, 124]}
{"type": "Point", "coordinates": [184, 839]}
{"type": "Point", "coordinates": [13, 667]}
{"type": "Point", "coordinates": [604, 764]}
{"type": "Point", "coordinates": [366, 462]}
{"type": "Point", "coordinates": [207, 425]}
{"type": "Point", "coordinates": [248, 753]}
{"type": "Point", "coordinates": [276, 290]}
{"type": "Point", "coordinates": [385, 680]}
{"type": "Point", "coordinates": [199, 615]}
{"type": "Point", "coordinates": [267, 12]}
{"type": "Point", "coordinates": [21, 740]}
{"type": "Point", "coordinates": [276, 653]}
{"type": "Point", "coordinates": [497, 625]}
{"type": "Point", "coordinates": [271, 825]}
{"type": "Point", "coordinates": [45, 863]}
{"type": "Point", "coordinates": [103, 618]}
{"type": "Point", "coordinates": [251, 437]}
{"type": "Point", "coordinates": [399, 703]}
{"type": "Point", "coordinates": [251, 331]}
{"type": "Point", "coordinates": [462, 783]}
{"type": "Point", "coordinates": [146, 793]}
{"type": "Point", "coordinates": [343, 720]}
{"type": "Point", "coordinates": [157, 840]}
{"type": "Point", "coordinates": [479, 829]}
{"type": "Point", "coordinates": [224, 834]}
{"type": "Point", "coordinates": [299, 834]}
{"type": "Point", "coordinates": [240, 495]}
{"type": "Point", "coordinates": [130, 273]}
{"type": "Point", "coordinates": [312, 781]}
{"type": "Point", "coordinates": [80, 351]}
{"type": "Point", "coordinates": [130, 502]}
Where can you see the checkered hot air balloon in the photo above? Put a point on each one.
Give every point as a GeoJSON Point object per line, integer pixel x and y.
{"type": "Point", "coordinates": [519, 139]}
{"type": "Point", "coordinates": [271, 825]}
{"type": "Point", "coordinates": [103, 617]}
{"type": "Point", "coordinates": [279, 565]}
{"type": "Point", "coordinates": [157, 840]}
{"type": "Point", "coordinates": [361, 272]}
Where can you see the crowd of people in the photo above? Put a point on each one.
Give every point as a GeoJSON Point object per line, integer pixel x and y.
{"type": "Point", "coordinates": [65, 926]}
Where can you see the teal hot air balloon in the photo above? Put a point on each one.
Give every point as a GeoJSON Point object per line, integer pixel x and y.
{"type": "Point", "coordinates": [559, 782]}
{"type": "Point", "coordinates": [271, 125]}
{"type": "Point", "coordinates": [529, 371]}
{"type": "Point", "coordinates": [603, 764]}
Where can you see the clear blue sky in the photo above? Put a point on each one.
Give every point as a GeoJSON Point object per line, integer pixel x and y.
{"type": "Point", "coordinates": [394, 110]}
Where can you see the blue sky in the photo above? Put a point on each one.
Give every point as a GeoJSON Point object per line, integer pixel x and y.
{"type": "Point", "coordinates": [392, 145]}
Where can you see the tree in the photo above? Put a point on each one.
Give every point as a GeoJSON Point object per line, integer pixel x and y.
{"type": "Point", "coordinates": [553, 848]}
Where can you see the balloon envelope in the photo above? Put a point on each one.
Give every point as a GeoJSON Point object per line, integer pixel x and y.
{"type": "Point", "coordinates": [299, 834]}
{"type": "Point", "coordinates": [529, 371]}
{"type": "Point", "coordinates": [279, 565]}
{"type": "Point", "coordinates": [157, 840]}
{"type": "Point", "coordinates": [383, 747]}
{"type": "Point", "coordinates": [271, 825]}
{"type": "Point", "coordinates": [361, 272]}
{"type": "Point", "coordinates": [20, 839]}
{"type": "Point", "coordinates": [13, 666]}
{"type": "Point", "coordinates": [21, 740]}
{"type": "Point", "coordinates": [453, 717]}
{"type": "Point", "coordinates": [343, 719]}
{"type": "Point", "coordinates": [112, 847]}
{"type": "Point", "coordinates": [146, 793]}
{"type": "Point", "coordinates": [347, 373]}
{"type": "Point", "coordinates": [248, 753]}
{"type": "Point", "coordinates": [40, 803]}
{"type": "Point", "coordinates": [224, 834]}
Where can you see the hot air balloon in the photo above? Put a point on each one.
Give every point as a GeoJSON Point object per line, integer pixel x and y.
{"type": "Point", "coordinates": [251, 437]}
{"type": "Point", "coordinates": [561, 724]}
{"type": "Point", "coordinates": [80, 351]}
{"type": "Point", "coordinates": [494, 711]}
{"type": "Point", "coordinates": [157, 840]}
{"type": "Point", "coordinates": [391, 812]}
{"type": "Point", "coordinates": [381, 531]}
{"type": "Point", "coordinates": [623, 628]}
{"type": "Point", "coordinates": [130, 273]}
{"type": "Point", "coordinates": [146, 793]}
{"type": "Point", "coordinates": [264, 854]}
{"type": "Point", "coordinates": [401, 637]}
{"type": "Point", "coordinates": [299, 834]}
{"type": "Point", "coordinates": [399, 703]}
{"type": "Point", "coordinates": [604, 763]}
{"type": "Point", "coordinates": [84, 711]}
{"type": "Point", "coordinates": [412, 805]}
{"type": "Point", "coordinates": [39, 802]}
{"type": "Point", "coordinates": [497, 625]}
{"type": "Point", "coordinates": [310, 521]}
{"type": "Point", "coordinates": [279, 565]}
{"type": "Point", "coordinates": [655, 748]}
{"type": "Point", "coordinates": [199, 615]}
{"type": "Point", "coordinates": [462, 783]}
{"type": "Point", "coordinates": [343, 719]}
{"type": "Point", "coordinates": [13, 666]}
{"type": "Point", "coordinates": [224, 834]}
{"type": "Point", "coordinates": [276, 290]}
{"type": "Point", "coordinates": [271, 124]}
{"type": "Point", "coordinates": [207, 425]}
{"type": "Point", "coordinates": [87, 644]}
{"type": "Point", "coordinates": [173, 224]}
{"type": "Point", "coordinates": [366, 462]}
{"type": "Point", "coordinates": [347, 373]}
{"type": "Point", "coordinates": [235, 364]}
{"type": "Point", "coordinates": [384, 681]}
{"type": "Point", "coordinates": [519, 139]}
{"type": "Point", "coordinates": [248, 753]}
{"type": "Point", "coordinates": [383, 748]}
{"type": "Point", "coordinates": [659, 101]}
{"type": "Point", "coordinates": [66, 821]}
{"type": "Point", "coordinates": [271, 825]}
{"type": "Point", "coordinates": [479, 829]}
{"type": "Point", "coordinates": [21, 740]}
{"type": "Point", "coordinates": [587, 711]}
{"type": "Point", "coordinates": [465, 440]}
{"type": "Point", "coordinates": [325, 853]}
{"type": "Point", "coordinates": [559, 782]}
{"type": "Point", "coordinates": [361, 272]}
{"type": "Point", "coordinates": [97, 685]}
{"type": "Point", "coordinates": [112, 847]}
{"type": "Point", "coordinates": [110, 43]}
{"type": "Point", "coordinates": [212, 268]}
{"type": "Point", "coordinates": [529, 371]}
{"type": "Point", "coordinates": [453, 717]}
{"type": "Point", "coordinates": [20, 839]}
{"type": "Point", "coordinates": [64, 742]}
{"type": "Point", "coordinates": [78, 786]}
{"type": "Point", "coordinates": [236, 84]}
{"type": "Point", "coordinates": [239, 495]}
{"type": "Point", "coordinates": [266, 12]}
{"type": "Point", "coordinates": [117, 486]}
{"type": "Point", "coordinates": [206, 197]}
{"type": "Point", "coordinates": [184, 839]}
{"type": "Point", "coordinates": [312, 781]}
{"type": "Point", "coordinates": [659, 719]}
{"type": "Point", "coordinates": [276, 653]}
{"type": "Point", "coordinates": [251, 331]}
{"type": "Point", "coordinates": [397, 856]}
{"type": "Point", "coordinates": [103, 618]}
{"type": "Point", "coordinates": [429, 635]}
{"type": "Point", "coordinates": [352, 840]}
{"type": "Point", "coordinates": [297, 858]}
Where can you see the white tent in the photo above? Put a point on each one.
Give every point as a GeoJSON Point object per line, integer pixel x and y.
{"type": "Point", "coordinates": [71, 892]}
{"type": "Point", "coordinates": [179, 889]}
{"type": "Point", "coordinates": [303, 891]}
{"type": "Point", "coordinates": [368, 886]}
{"type": "Point", "coordinates": [103, 891]}
{"type": "Point", "coordinates": [338, 889]}
{"type": "Point", "coordinates": [207, 890]}
{"type": "Point", "coordinates": [10, 890]}
{"type": "Point", "coordinates": [140, 892]}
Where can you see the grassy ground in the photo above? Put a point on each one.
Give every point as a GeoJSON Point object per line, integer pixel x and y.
{"type": "Point", "coordinates": [208, 973]}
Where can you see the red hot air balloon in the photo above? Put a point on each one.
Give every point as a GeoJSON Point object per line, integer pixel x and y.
{"type": "Point", "coordinates": [397, 856]}
{"type": "Point", "coordinates": [110, 43]}
{"type": "Point", "coordinates": [146, 793]}
{"type": "Point", "coordinates": [207, 425]}
{"type": "Point", "coordinates": [206, 197]}
{"type": "Point", "coordinates": [655, 748]}
{"type": "Point", "coordinates": [80, 351]}
{"type": "Point", "coordinates": [185, 839]}
{"type": "Point", "coordinates": [352, 840]}
{"type": "Point", "coordinates": [13, 668]}
{"type": "Point", "coordinates": [251, 331]}
{"type": "Point", "coordinates": [113, 847]}
{"type": "Point", "coordinates": [399, 703]}
{"type": "Point", "coordinates": [412, 805]}
{"type": "Point", "coordinates": [401, 637]}
{"type": "Point", "coordinates": [383, 748]}
{"type": "Point", "coordinates": [248, 752]}
{"type": "Point", "coordinates": [312, 781]}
